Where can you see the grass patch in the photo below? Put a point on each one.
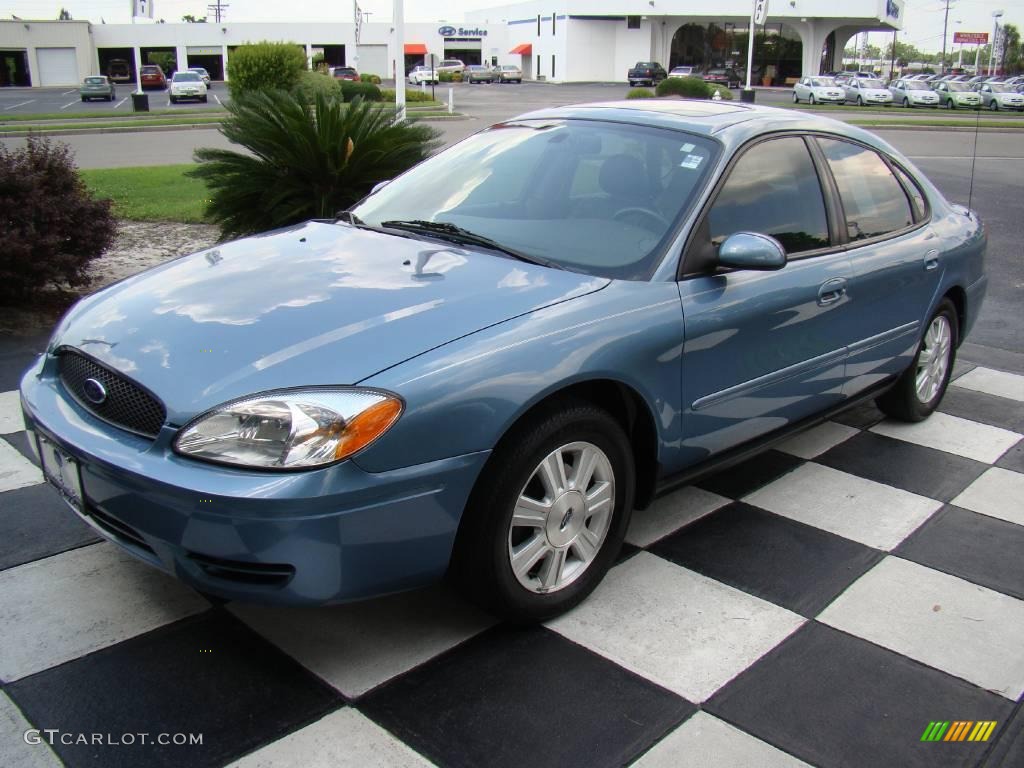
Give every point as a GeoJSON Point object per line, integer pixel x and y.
{"type": "Point", "coordinates": [938, 123]}
{"type": "Point", "coordinates": [897, 110]}
{"type": "Point", "coordinates": [153, 193]}
{"type": "Point", "coordinates": [46, 127]}
{"type": "Point", "coordinates": [108, 116]}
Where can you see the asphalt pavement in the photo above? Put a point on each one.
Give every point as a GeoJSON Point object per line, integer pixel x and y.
{"type": "Point", "coordinates": [37, 101]}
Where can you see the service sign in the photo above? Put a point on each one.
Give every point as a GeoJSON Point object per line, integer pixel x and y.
{"type": "Point", "coordinates": [971, 38]}
{"type": "Point", "coordinates": [760, 11]}
{"type": "Point", "coordinates": [449, 31]}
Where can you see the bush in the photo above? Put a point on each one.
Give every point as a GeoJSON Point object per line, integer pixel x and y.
{"type": "Point", "coordinates": [375, 79]}
{"type": "Point", "coordinates": [302, 162]}
{"type": "Point", "coordinates": [265, 66]}
{"type": "Point", "coordinates": [690, 87]}
{"type": "Point", "coordinates": [412, 93]}
{"type": "Point", "coordinates": [312, 83]}
{"type": "Point", "coordinates": [724, 92]}
{"type": "Point", "coordinates": [640, 93]}
{"type": "Point", "coordinates": [52, 227]}
{"type": "Point", "coordinates": [449, 77]}
{"type": "Point", "coordinates": [368, 91]}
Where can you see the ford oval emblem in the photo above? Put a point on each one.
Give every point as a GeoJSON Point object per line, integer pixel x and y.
{"type": "Point", "coordinates": [446, 31]}
{"type": "Point", "coordinates": [94, 392]}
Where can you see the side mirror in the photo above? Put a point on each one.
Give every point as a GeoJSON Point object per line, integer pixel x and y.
{"type": "Point", "coordinates": [379, 186]}
{"type": "Point", "coordinates": [749, 250]}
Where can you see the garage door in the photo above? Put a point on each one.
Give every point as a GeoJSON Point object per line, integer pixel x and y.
{"type": "Point", "coordinates": [373, 60]}
{"type": "Point", "coordinates": [57, 66]}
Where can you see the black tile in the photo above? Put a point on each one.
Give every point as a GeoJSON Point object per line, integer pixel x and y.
{"type": "Point", "coordinates": [915, 468]}
{"type": "Point", "coordinates": [797, 566]}
{"type": "Point", "coordinates": [960, 367]}
{"type": "Point", "coordinates": [984, 408]}
{"type": "Point", "coordinates": [627, 551]}
{"type": "Point", "coordinates": [747, 477]}
{"type": "Point", "coordinates": [17, 353]}
{"type": "Point", "coordinates": [1013, 458]}
{"type": "Point", "coordinates": [860, 416]}
{"type": "Point", "coordinates": [525, 697]}
{"type": "Point", "coordinates": [19, 441]}
{"type": "Point", "coordinates": [975, 547]}
{"type": "Point", "coordinates": [208, 675]}
{"type": "Point", "coordinates": [836, 700]}
{"type": "Point", "coordinates": [1008, 742]}
{"type": "Point", "coordinates": [36, 523]}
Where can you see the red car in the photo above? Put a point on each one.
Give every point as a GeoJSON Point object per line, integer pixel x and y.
{"type": "Point", "coordinates": [152, 76]}
{"type": "Point", "coordinates": [345, 73]}
{"type": "Point", "coordinates": [722, 76]}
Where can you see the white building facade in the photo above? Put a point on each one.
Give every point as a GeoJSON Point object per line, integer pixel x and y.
{"type": "Point", "coordinates": [575, 41]}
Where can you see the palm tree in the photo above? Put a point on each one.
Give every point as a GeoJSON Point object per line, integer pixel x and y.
{"type": "Point", "coordinates": [303, 161]}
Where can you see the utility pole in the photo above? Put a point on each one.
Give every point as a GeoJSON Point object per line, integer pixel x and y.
{"type": "Point", "coordinates": [945, 27]}
{"type": "Point", "coordinates": [996, 16]}
{"type": "Point", "coordinates": [217, 9]}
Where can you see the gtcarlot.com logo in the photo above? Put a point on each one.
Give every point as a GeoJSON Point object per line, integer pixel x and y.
{"type": "Point", "coordinates": [53, 736]}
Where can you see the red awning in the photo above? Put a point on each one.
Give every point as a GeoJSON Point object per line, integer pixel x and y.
{"type": "Point", "coordinates": [415, 49]}
{"type": "Point", "coordinates": [523, 48]}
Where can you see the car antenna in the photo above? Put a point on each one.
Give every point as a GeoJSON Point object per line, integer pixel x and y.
{"type": "Point", "coordinates": [974, 154]}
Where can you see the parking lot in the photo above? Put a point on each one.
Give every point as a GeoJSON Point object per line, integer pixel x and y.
{"type": "Point", "coordinates": [822, 604]}
{"type": "Point", "coordinates": [32, 101]}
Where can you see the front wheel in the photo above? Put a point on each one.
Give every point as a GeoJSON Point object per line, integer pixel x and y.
{"type": "Point", "coordinates": [993, 105]}
{"type": "Point", "coordinates": [918, 392]}
{"type": "Point", "coordinates": [810, 99]}
{"type": "Point", "coordinates": [548, 514]}
{"type": "Point", "coordinates": [796, 99]}
{"type": "Point", "coordinates": [906, 102]}
{"type": "Point", "coordinates": [860, 102]}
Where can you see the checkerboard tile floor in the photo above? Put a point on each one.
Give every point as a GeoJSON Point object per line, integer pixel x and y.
{"type": "Point", "coordinates": [819, 605]}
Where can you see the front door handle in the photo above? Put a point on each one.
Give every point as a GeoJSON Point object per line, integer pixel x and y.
{"type": "Point", "coordinates": [831, 291]}
{"type": "Point", "coordinates": [931, 260]}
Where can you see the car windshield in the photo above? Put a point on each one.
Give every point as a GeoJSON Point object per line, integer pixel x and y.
{"type": "Point", "coordinates": [916, 85]}
{"type": "Point", "coordinates": [197, 70]}
{"type": "Point", "coordinates": [589, 196]}
{"type": "Point", "coordinates": [682, 70]}
{"type": "Point", "coordinates": [476, 67]}
{"type": "Point", "coordinates": [149, 70]}
{"type": "Point", "coordinates": [822, 82]}
{"type": "Point", "coordinates": [866, 83]}
{"type": "Point", "coordinates": [190, 77]}
{"type": "Point", "coordinates": [1001, 88]}
{"type": "Point", "coordinates": [510, 67]}
{"type": "Point", "coordinates": [96, 80]}
{"type": "Point", "coordinates": [958, 86]}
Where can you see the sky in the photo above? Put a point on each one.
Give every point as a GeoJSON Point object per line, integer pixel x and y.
{"type": "Point", "coordinates": [922, 27]}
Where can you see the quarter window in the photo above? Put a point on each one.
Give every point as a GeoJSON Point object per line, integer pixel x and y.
{"type": "Point", "coordinates": [773, 189]}
{"type": "Point", "coordinates": [916, 196]}
{"type": "Point", "coordinates": [873, 200]}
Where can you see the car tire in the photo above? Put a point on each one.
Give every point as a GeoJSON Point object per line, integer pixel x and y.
{"type": "Point", "coordinates": [950, 104]}
{"type": "Point", "coordinates": [810, 100]}
{"type": "Point", "coordinates": [919, 390]}
{"type": "Point", "coordinates": [172, 99]}
{"type": "Point", "coordinates": [906, 102]}
{"type": "Point", "coordinates": [205, 99]}
{"type": "Point", "coordinates": [860, 102]}
{"type": "Point", "coordinates": [796, 99]}
{"type": "Point", "coordinates": [83, 99]}
{"type": "Point", "coordinates": [570, 547]}
{"type": "Point", "coordinates": [993, 105]}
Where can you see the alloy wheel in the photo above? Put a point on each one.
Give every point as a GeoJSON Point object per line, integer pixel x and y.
{"type": "Point", "coordinates": [933, 359]}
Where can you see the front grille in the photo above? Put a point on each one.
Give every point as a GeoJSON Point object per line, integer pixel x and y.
{"type": "Point", "coordinates": [257, 574]}
{"type": "Point", "coordinates": [127, 405]}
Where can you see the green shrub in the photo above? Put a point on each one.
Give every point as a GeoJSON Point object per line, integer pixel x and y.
{"type": "Point", "coordinates": [690, 87]}
{"type": "Point", "coordinates": [449, 77]}
{"type": "Point", "coordinates": [52, 227]}
{"type": "Point", "coordinates": [312, 83]}
{"type": "Point", "coordinates": [368, 91]}
{"type": "Point", "coordinates": [412, 94]}
{"type": "Point", "coordinates": [724, 92]}
{"type": "Point", "coordinates": [640, 93]}
{"type": "Point", "coordinates": [302, 162]}
{"type": "Point", "coordinates": [375, 79]}
{"type": "Point", "coordinates": [265, 66]}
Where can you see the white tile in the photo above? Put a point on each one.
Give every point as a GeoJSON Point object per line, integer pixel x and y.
{"type": "Point", "coordinates": [942, 621]}
{"type": "Point", "coordinates": [997, 493]}
{"type": "Point", "coordinates": [681, 630]}
{"type": "Point", "coordinates": [359, 646]}
{"type": "Point", "coordinates": [704, 741]}
{"type": "Point", "coordinates": [670, 513]}
{"type": "Point", "coordinates": [872, 513]}
{"type": "Point", "coordinates": [344, 739]}
{"type": "Point", "coordinates": [953, 435]}
{"type": "Point", "coordinates": [14, 751]}
{"type": "Point", "coordinates": [15, 470]}
{"type": "Point", "coordinates": [11, 419]}
{"type": "Point", "coordinates": [62, 607]}
{"type": "Point", "coordinates": [816, 441]}
{"type": "Point", "coordinates": [991, 382]}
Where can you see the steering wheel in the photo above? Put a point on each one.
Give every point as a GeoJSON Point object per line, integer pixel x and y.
{"type": "Point", "coordinates": [657, 218]}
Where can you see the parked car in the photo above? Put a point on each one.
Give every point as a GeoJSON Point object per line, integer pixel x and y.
{"type": "Point", "coordinates": [683, 72]}
{"type": "Point", "coordinates": [818, 90]}
{"type": "Point", "coordinates": [722, 76]}
{"type": "Point", "coordinates": [954, 94]}
{"type": "Point", "coordinates": [913, 93]}
{"type": "Point", "coordinates": [345, 73]}
{"type": "Point", "coordinates": [202, 73]}
{"type": "Point", "coordinates": [978, 79]}
{"type": "Point", "coordinates": [187, 85]}
{"type": "Point", "coordinates": [423, 74]}
{"type": "Point", "coordinates": [508, 73]}
{"type": "Point", "coordinates": [451, 66]}
{"type": "Point", "coordinates": [646, 73]}
{"type": "Point", "coordinates": [581, 300]}
{"type": "Point", "coordinates": [478, 73]}
{"type": "Point", "coordinates": [97, 87]}
{"type": "Point", "coordinates": [119, 71]}
{"type": "Point", "coordinates": [863, 91]}
{"type": "Point", "coordinates": [152, 76]}
{"type": "Point", "coordinates": [996, 96]}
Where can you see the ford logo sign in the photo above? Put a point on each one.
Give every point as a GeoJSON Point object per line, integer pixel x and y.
{"type": "Point", "coordinates": [94, 392]}
{"type": "Point", "coordinates": [446, 31]}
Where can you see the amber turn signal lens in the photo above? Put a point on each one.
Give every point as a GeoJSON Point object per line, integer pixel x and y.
{"type": "Point", "coordinates": [367, 427]}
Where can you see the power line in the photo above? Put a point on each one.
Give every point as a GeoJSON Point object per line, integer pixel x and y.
{"type": "Point", "coordinates": [217, 9]}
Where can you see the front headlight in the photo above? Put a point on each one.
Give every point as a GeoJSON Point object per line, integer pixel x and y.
{"type": "Point", "coordinates": [290, 429]}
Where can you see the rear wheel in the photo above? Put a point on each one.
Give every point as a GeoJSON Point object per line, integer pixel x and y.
{"type": "Point", "coordinates": [548, 514]}
{"type": "Point", "coordinates": [918, 392]}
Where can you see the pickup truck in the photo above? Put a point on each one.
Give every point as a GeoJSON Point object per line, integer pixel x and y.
{"type": "Point", "coordinates": [646, 73]}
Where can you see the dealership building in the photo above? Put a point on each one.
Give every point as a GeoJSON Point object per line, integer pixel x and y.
{"type": "Point", "coordinates": [573, 41]}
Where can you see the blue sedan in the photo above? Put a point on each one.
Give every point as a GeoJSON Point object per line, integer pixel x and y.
{"type": "Point", "coordinates": [482, 368]}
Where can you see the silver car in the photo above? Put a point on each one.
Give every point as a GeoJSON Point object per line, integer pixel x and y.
{"type": "Point", "coordinates": [862, 90]}
{"type": "Point", "coordinates": [913, 93]}
{"type": "Point", "coordinates": [954, 94]}
{"type": "Point", "coordinates": [998, 96]}
{"type": "Point", "coordinates": [818, 90]}
{"type": "Point", "coordinates": [508, 73]}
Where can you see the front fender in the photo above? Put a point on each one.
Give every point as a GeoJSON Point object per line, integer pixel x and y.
{"type": "Point", "coordinates": [464, 396]}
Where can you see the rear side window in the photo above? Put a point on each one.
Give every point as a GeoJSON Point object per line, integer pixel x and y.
{"type": "Point", "coordinates": [773, 189]}
{"type": "Point", "coordinates": [874, 202]}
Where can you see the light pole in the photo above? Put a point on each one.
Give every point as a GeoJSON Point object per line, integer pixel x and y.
{"type": "Point", "coordinates": [996, 16]}
{"type": "Point", "coordinates": [945, 27]}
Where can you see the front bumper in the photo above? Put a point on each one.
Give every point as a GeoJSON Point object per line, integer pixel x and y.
{"type": "Point", "coordinates": [322, 536]}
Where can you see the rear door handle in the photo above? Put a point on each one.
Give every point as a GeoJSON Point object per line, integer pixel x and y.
{"type": "Point", "coordinates": [931, 260]}
{"type": "Point", "coordinates": [831, 291]}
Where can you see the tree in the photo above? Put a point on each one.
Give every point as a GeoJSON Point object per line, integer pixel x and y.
{"type": "Point", "coordinates": [265, 66]}
{"type": "Point", "coordinates": [190, 19]}
{"type": "Point", "coordinates": [302, 161]}
{"type": "Point", "coordinates": [65, 15]}
{"type": "Point", "coordinates": [1012, 54]}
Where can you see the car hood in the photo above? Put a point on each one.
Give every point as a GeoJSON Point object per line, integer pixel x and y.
{"type": "Point", "coordinates": [315, 304]}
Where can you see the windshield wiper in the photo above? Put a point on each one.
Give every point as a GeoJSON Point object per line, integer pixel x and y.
{"type": "Point", "coordinates": [456, 234]}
